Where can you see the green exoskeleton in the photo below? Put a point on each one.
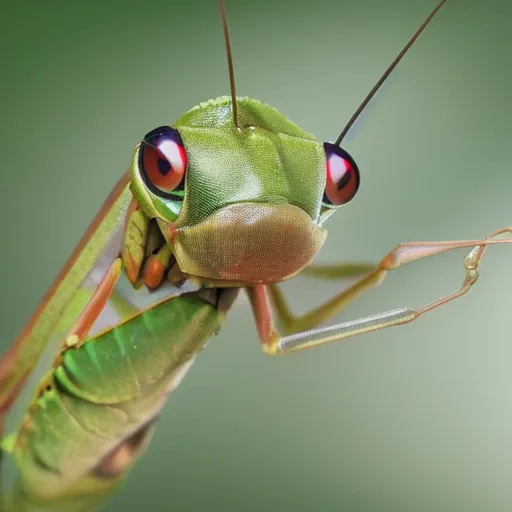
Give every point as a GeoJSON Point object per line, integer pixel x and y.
{"type": "Point", "coordinates": [231, 196]}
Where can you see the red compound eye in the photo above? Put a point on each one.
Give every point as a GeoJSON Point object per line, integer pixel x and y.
{"type": "Point", "coordinates": [342, 176]}
{"type": "Point", "coordinates": [163, 161]}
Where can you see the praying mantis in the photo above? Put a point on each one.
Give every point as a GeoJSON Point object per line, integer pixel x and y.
{"type": "Point", "coordinates": [191, 271]}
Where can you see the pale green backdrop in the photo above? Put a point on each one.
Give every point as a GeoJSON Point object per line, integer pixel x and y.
{"type": "Point", "coordinates": [415, 418]}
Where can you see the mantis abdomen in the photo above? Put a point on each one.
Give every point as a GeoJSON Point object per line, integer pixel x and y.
{"type": "Point", "coordinates": [91, 417]}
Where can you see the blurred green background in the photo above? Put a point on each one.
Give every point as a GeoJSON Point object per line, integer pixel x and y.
{"type": "Point", "coordinates": [413, 418]}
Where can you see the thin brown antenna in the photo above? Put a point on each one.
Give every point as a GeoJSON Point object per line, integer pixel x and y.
{"type": "Point", "coordinates": [230, 62]}
{"type": "Point", "coordinates": [388, 71]}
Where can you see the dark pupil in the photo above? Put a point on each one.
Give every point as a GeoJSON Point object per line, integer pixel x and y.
{"type": "Point", "coordinates": [164, 166]}
{"type": "Point", "coordinates": [344, 179]}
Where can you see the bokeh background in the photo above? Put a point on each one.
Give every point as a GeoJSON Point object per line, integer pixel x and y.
{"type": "Point", "coordinates": [413, 418]}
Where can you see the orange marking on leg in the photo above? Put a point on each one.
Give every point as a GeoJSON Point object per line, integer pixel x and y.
{"type": "Point", "coordinates": [154, 271]}
{"type": "Point", "coordinates": [262, 314]}
{"type": "Point", "coordinates": [134, 205]}
{"type": "Point", "coordinates": [168, 230]}
{"type": "Point", "coordinates": [97, 301]}
{"type": "Point", "coordinates": [118, 461]}
{"type": "Point", "coordinates": [131, 267]}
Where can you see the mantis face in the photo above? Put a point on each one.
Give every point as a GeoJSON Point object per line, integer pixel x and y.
{"type": "Point", "coordinates": [245, 203]}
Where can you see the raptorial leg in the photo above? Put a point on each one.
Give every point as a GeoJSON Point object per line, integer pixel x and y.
{"type": "Point", "coordinates": [95, 305]}
{"type": "Point", "coordinates": [304, 336]}
{"type": "Point", "coordinates": [97, 301]}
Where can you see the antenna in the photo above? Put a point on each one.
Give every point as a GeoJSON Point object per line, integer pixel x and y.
{"type": "Point", "coordinates": [230, 62]}
{"type": "Point", "coordinates": [386, 73]}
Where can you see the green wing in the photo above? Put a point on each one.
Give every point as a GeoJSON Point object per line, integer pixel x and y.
{"type": "Point", "coordinates": [62, 305]}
